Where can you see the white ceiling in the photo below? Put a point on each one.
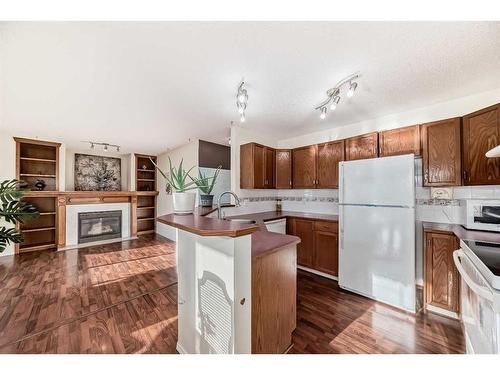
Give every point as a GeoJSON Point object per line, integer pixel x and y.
{"type": "Point", "coordinates": [151, 86]}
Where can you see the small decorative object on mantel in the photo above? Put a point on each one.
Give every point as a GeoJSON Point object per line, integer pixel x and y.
{"type": "Point", "coordinates": [40, 185]}
{"type": "Point", "coordinates": [206, 187]}
{"type": "Point", "coordinates": [183, 200]}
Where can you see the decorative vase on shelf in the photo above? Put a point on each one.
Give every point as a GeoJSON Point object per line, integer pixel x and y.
{"type": "Point", "coordinates": [40, 185]}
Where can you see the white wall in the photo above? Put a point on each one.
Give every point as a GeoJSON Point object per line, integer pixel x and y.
{"type": "Point", "coordinates": [70, 167]}
{"type": "Point", "coordinates": [188, 153]}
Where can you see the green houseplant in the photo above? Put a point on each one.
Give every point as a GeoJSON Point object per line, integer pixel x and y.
{"type": "Point", "coordinates": [13, 211]}
{"type": "Point", "coordinates": [180, 183]}
{"type": "Point", "coordinates": [206, 186]}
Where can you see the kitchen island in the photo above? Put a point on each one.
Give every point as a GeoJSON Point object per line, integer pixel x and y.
{"type": "Point", "coordinates": [236, 286]}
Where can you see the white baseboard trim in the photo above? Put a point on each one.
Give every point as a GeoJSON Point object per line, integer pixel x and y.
{"type": "Point", "coordinates": [180, 349]}
{"type": "Point", "coordinates": [440, 311]}
{"type": "Point", "coordinates": [95, 243]}
{"type": "Point", "coordinates": [319, 273]}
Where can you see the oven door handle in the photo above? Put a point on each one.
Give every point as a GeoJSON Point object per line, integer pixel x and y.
{"type": "Point", "coordinates": [476, 288]}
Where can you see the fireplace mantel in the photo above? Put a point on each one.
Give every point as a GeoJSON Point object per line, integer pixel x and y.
{"type": "Point", "coordinates": [64, 198]}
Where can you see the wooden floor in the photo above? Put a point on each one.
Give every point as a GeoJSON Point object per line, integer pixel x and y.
{"type": "Point", "coordinates": [121, 298]}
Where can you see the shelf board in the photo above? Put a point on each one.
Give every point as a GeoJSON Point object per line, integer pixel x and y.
{"type": "Point", "coordinates": [38, 159]}
{"type": "Point", "coordinates": [146, 218]}
{"type": "Point", "coordinates": [145, 207]}
{"type": "Point", "coordinates": [37, 175]}
{"type": "Point", "coordinates": [37, 229]}
{"type": "Point", "coordinates": [146, 179]}
{"type": "Point", "coordinates": [47, 213]}
{"type": "Point", "coordinates": [42, 246]}
{"type": "Point", "coordinates": [145, 170]}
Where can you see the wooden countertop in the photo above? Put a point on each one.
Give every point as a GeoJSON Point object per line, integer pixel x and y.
{"type": "Point", "coordinates": [206, 226]}
{"type": "Point", "coordinates": [264, 242]}
{"type": "Point", "coordinates": [275, 215]}
{"type": "Point", "coordinates": [463, 233]}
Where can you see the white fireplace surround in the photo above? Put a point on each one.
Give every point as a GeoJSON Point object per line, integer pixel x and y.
{"type": "Point", "coordinates": [72, 212]}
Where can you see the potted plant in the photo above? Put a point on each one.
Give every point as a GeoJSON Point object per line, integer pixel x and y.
{"type": "Point", "coordinates": [178, 184]}
{"type": "Point", "coordinates": [13, 211]}
{"type": "Point", "coordinates": [206, 187]}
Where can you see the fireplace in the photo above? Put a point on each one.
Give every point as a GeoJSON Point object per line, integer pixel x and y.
{"type": "Point", "coordinates": [99, 226]}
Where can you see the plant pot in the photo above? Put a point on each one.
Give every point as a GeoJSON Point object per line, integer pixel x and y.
{"type": "Point", "coordinates": [184, 203]}
{"type": "Point", "coordinates": [206, 200]}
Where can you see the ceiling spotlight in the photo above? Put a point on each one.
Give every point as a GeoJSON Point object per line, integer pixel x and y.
{"type": "Point", "coordinates": [243, 96]}
{"type": "Point", "coordinates": [241, 108]}
{"type": "Point", "coordinates": [91, 145]}
{"type": "Point", "coordinates": [105, 147]}
{"type": "Point", "coordinates": [242, 118]}
{"type": "Point", "coordinates": [117, 148]}
{"type": "Point", "coordinates": [351, 90]}
{"type": "Point", "coordinates": [323, 113]}
{"type": "Point", "coordinates": [333, 95]}
{"type": "Point", "coordinates": [335, 101]}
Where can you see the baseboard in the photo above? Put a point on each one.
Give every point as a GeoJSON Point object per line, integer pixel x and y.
{"type": "Point", "coordinates": [180, 349]}
{"type": "Point", "coordinates": [443, 312]}
{"type": "Point", "coordinates": [319, 273]}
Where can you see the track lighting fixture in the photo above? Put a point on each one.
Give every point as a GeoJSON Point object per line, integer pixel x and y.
{"type": "Point", "coordinates": [105, 146]}
{"type": "Point", "coordinates": [323, 113]}
{"type": "Point", "coordinates": [333, 94]}
{"type": "Point", "coordinates": [241, 100]}
{"type": "Point", "coordinates": [352, 88]}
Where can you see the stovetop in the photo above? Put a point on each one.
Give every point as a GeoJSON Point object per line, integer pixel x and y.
{"type": "Point", "coordinates": [488, 253]}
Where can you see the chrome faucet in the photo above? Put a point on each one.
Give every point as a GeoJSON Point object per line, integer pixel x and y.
{"type": "Point", "coordinates": [219, 210]}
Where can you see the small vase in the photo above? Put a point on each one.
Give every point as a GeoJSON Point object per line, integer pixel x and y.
{"type": "Point", "coordinates": [206, 200]}
{"type": "Point", "coordinates": [184, 203]}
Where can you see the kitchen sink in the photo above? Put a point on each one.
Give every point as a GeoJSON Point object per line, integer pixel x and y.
{"type": "Point", "coordinates": [241, 221]}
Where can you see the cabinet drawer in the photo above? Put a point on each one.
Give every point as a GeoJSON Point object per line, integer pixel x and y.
{"type": "Point", "coordinates": [326, 226]}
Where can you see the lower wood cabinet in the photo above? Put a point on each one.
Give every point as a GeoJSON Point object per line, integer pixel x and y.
{"type": "Point", "coordinates": [318, 249]}
{"type": "Point", "coordinates": [441, 277]}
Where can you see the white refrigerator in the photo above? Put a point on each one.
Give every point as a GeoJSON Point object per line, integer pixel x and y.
{"type": "Point", "coordinates": [377, 229]}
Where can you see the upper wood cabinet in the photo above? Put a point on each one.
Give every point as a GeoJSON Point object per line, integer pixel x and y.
{"type": "Point", "coordinates": [283, 169]}
{"type": "Point", "coordinates": [256, 166]}
{"type": "Point", "coordinates": [441, 276]}
{"type": "Point", "coordinates": [481, 132]}
{"type": "Point", "coordinates": [362, 147]}
{"type": "Point", "coordinates": [399, 141]}
{"type": "Point", "coordinates": [329, 156]}
{"type": "Point", "coordinates": [304, 167]}
{"type": "Point", "coordinates": [441, 153]}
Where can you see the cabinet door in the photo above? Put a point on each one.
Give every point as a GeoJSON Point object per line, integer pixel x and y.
{"type": "Point", "coordinates": [329, 156]}
{"type": "Point", "coordinates": [481, 132]}
{"type": "Point", "coordinates": [362, 147]}
{"type": "Point", "coordinates": [269, 170]}
{"type": "Point", "coordinates": [283, 169]}
{"type": "Point", "coordinates": [326, 252]}
{"type": "Point", "coordinates": [400, 141]}
{"type": "Point", "coordinates": [304, 230]}
{"type": "Point", "coordinates": [441, 153]}
{"type": "Point", "coordinates": [441, 276]}
{"type": "Point", "coordinates": [304, 167]}
{"type": "Point", "coordinates": [259, 167]}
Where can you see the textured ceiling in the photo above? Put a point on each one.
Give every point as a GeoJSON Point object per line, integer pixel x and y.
{"type": "Point", "coordinates": [151, 86]}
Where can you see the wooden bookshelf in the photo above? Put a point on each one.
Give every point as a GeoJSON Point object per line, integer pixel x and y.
{"type": "Point", "coordinates": [36, 160]}
{"type": "Point", "coordinates": [146, 180]}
